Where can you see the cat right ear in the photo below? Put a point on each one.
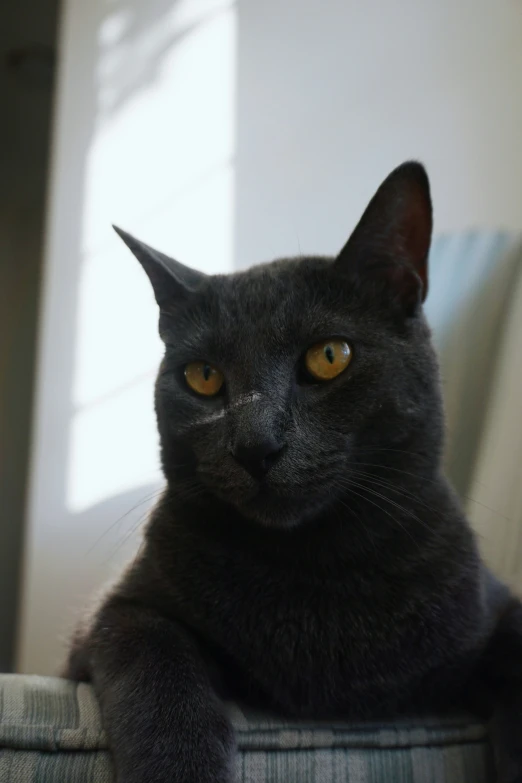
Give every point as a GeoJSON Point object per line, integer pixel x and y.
{"type": "Point", "coordinates": [170, 279]}
{"type": "Point", "coordinates": [392, 239]}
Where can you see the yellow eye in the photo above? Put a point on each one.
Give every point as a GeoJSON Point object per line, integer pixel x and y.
{"type": "Point", "coordinates": [203, 378]}
{"type": "Point", "coordinates": [327, 360]}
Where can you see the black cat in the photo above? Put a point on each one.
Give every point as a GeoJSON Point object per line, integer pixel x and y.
{"type": "Point", "coordinates": [307, 555]}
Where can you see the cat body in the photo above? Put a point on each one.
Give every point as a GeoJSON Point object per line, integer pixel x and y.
{"type": "Point", "coordinates": [308, 555]}
{"type": "Point", "coordinates": [308, 627]}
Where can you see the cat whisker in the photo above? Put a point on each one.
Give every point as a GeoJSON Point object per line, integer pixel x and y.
{"type": "Point", "coordinates": [363, 449]}
{"type": "Point", "coordinates": [436, 483]}
{"type": "Point", "coordinates": [189, 493]}
{"type": "Point", "coordinates": [406, 511]}
{"type": "Point", "coordinates": [348, 486]}
{"type": "Point", "coordinates": [410, 513]}
{"type": "Point", "coordinates": [393, 488]}
{"type": "Point", "coordinates": [385, 511]}
{"type": "Point", "coordinates": [125, 539]}
{"type": "Point", "coordinates": [111, 527]}
{"type": "Point", "coordinates": [370, 449]}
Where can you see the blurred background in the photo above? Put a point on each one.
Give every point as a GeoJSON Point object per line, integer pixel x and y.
{"type": "Point", "coordinates": [226, 133]}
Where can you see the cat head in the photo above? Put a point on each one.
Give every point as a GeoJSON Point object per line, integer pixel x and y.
{"type": "Point", "coordinates": [282, 383]}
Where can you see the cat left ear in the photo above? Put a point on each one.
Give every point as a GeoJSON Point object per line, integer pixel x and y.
{"type": "Point", "coordinates": [170, 279]}
{"type": "Point", "coordinates": [392, 239]}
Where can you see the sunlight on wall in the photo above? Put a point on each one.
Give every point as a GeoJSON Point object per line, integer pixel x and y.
{"type": "Point", "coordinates": [160, 165]}
{"type": "Point", "coordinates": [144, 137]}
{"type": "Point", "coordinates": [169, 135]}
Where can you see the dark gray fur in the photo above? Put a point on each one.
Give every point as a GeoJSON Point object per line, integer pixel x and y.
{"type": "Point", "coordinates": [307, 555]}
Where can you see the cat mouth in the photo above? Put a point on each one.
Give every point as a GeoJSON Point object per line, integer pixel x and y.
{"type": "Point", "coordinates": [271, 507]}
{"type": "Point", "coordinates": [262, 492]}
{"type": "Point", "coordinates": [272, 503]}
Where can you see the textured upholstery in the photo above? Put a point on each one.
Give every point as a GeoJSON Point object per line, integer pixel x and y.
{"type": "Point", "coordinates": [50, 732]}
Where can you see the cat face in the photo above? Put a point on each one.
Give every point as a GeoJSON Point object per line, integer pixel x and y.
{"type": "Point", "coordinates": [279, 382]}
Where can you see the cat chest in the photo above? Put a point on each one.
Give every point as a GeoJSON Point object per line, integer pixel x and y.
{"type": "Point", "coordinates": [319, 649]}
{"type": "Point", "coordinates": [316, 644]}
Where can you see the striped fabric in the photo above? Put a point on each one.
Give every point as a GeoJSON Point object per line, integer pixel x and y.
{"type": "Point", "coordinates": [50, 732]}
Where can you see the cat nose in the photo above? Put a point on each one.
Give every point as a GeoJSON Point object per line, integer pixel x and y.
{"type": "Point", "coordinates": [257, 458]}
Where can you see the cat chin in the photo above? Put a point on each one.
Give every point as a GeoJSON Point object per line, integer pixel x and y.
{"type": "Point", "coordinates": [280, 514]}
{"type": "Point", "coordinates": [267, 507]}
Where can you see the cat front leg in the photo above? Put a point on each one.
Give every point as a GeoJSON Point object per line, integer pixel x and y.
{"type": "Point", "coordinates": [164, 722]}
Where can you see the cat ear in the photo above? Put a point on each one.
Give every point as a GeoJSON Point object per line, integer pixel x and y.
{"type": "Point", "coordinates": [392, 239]}
{"type": "Point", "coordinates": [170, 279]}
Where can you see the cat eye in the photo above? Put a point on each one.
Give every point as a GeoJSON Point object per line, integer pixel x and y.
{"type": "Point", "coordinates": [204, 379]}
{"type": "Point", "coordinates": [326, 360]}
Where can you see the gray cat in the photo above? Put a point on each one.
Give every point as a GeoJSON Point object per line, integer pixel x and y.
{"type": "Point", "coordinates": [308, 555]}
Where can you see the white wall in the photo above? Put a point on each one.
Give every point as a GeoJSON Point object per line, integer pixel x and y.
{"type": "Point", "coordinates": [227, 133]}
{"type": "Point", "coordinates": [333, 94]}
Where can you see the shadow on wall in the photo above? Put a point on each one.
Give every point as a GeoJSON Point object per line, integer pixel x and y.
{"type": "Point", "coordinates": [144, 128]}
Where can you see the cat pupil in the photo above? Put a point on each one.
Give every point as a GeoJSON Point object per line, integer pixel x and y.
{"type": "Point", "coordinates": [329, 353]}
{"type": "Point", "coordinates": [206, 372]}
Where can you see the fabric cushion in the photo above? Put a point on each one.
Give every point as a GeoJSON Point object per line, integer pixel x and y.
{"type": "Point", "coordinates": [50, 732]}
